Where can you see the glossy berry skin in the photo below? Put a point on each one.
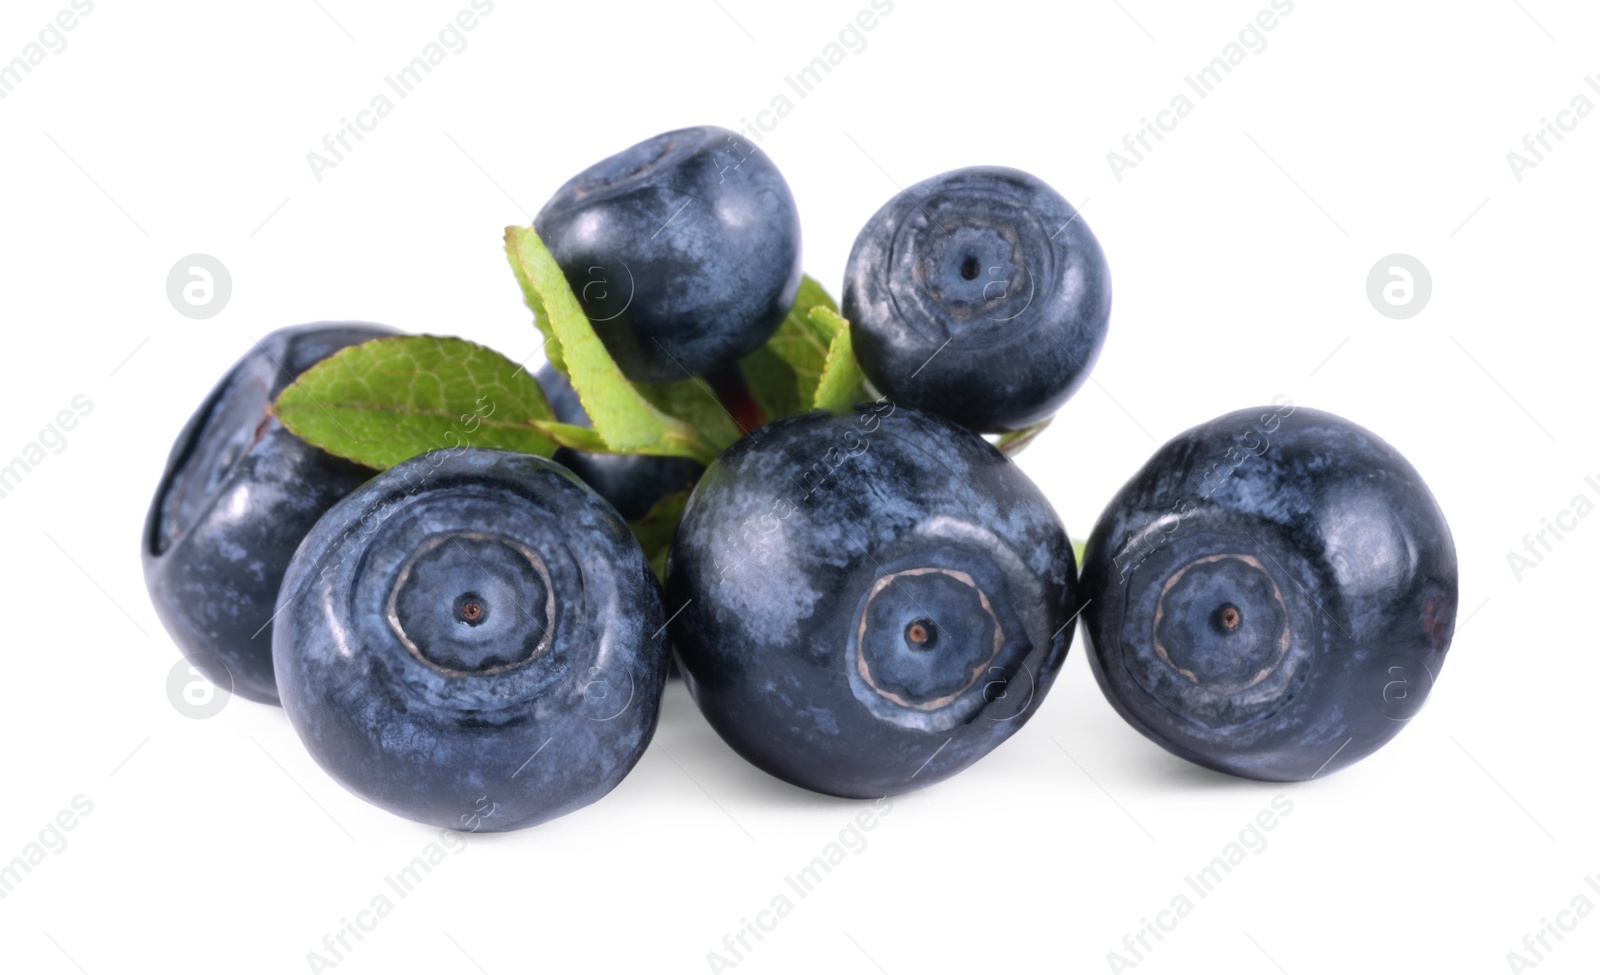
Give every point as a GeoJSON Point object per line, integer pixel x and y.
{"type": "Point", "coordinates": [869, 603]}
{"type": "Point", "coordinates": [1271, 595]}
{"type": "Point", "coordinates": [979, 294]}
{"type": "Point", "coordinates": [238, 494]}
{"type": "Point", "coordinates": [633, 483]}
{"type": "Point", "coordinates": [683, 250]}
{"type": "Point", "coordinates": [472, 640]}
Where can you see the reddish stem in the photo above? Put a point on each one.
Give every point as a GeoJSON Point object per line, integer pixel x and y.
{"type": "Point", "coordinates": [730, 386]}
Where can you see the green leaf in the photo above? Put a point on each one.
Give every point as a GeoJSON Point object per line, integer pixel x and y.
{"type": "Point", "coordinates": [535, 302]}
{"type": "Point", "coordinates": [840, 385]}
{"type": "Point", "coordinates": [573, 436]}
{"type": "Point", "coordinates": [1078, 546]}
{"type": "Point", "coordinates": [812, 294]}
{"type": "Point", "coordinates": [826, 320]}
{"type": "Point", "coordinates": [783, 374]}
{"type": "Point", "coordinates": [390, 399]}
{"type": "Point", "coordinates": [694, 402]}
{"type": "Point", "coordinates": [533, 296]}
{"type": "Point", "coordinates": [655, 530]}
{"type": "Point", "coordinates": [1016, 441]}
{"type": "Point", "coordinates": [623, 417]}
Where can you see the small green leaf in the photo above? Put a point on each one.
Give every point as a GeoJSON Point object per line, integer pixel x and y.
{"type": "Point", "coordinates": [813, 294]}
{"type": "Point", "coordinates": [827, 322]}
{"type": "Point", "coordinates": [694, 402]}
{"type": "Point", "coordinates": [532, 298]}
{"type": "Point", "coordinates": [573, 436]}
{"type": "Point", "coordinates": [840, 385]}
{"type": "Point", "coordinates": [390, 399]}
{"type": "Point", "coordinates": [783, 374]}
{"type": "Point", "coordinates": [1016, 441]}
{"type": "Point", "coordinates": [655, 530]}
{"type": "Point", "coordinates": [623, 416]}
{"type": "Point", "coordinates": [1078, 546]}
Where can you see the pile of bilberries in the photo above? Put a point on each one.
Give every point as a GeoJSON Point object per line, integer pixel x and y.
{"type": "Point", "coordinates": [465, 583]}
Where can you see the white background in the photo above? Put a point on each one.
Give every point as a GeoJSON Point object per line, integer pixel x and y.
{"type": "Point", "coordinates": [1240, 249]}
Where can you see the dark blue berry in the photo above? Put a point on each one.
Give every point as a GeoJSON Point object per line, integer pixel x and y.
{"type": "Point", "coordinates": [868, 604]}
{"type": "Point", "coordinates": [472, 640]}
{"type": "Point", "coordinates": [979, 294]}
{"type": "Point", "coordinates": [238, 494]}
{"type": "Point", "coordinates": [684, 251]}
{"type": "Point", "coordinates": [1271, 595]}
